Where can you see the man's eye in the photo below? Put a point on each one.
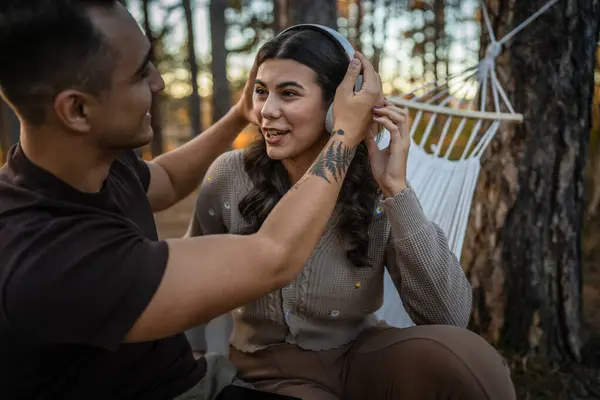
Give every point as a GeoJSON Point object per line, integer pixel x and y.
{"type": "Point", "coordinates": [145, 72]}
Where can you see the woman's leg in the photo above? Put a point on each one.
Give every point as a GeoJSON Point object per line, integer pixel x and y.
{"type": "Point", "coordinates": [217, 334]}
{"type": "Point", "coordinates": [212, 337]}
{"type": "Point", "coordinates": [296, 388]}
{"type": "Point", "coordinates": [197, 338]}
{"type": "Point", "coordinates": [288, 370]}
{"type": "Point", "coordinates": [426, 362]}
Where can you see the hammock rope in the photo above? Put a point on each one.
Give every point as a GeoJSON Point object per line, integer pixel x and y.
{"type": "Point", "coordinates": [443, 181]}
{"type": "Point", "coordinates": [443, 175]}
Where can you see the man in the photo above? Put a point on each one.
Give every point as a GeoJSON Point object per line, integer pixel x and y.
{"type": "Point", "coordinates": [92, 304]}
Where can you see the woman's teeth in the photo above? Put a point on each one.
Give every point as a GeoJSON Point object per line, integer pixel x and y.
{"type": "Point", "coordinates": [272, 134]}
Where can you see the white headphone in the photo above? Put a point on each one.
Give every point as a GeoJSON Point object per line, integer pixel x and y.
{"type": "Point", "coordinates": [383, 137]}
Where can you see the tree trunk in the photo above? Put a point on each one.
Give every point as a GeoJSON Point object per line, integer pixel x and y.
{"type": "Point", "coordinates": [523, 245]}
{"type": "Point", "coordinates": [195, 110]}
{"type": "Point", "coordinates": [218, 28]}
{"type": "Point", "coordinates": [382, 25]}
{"type": "Point", "coordinates": [360, 13]}
{"type": "Point", "coordinates": [323, 12]}
{"type": "Point", "coordinates": [439, 35]}
{"type": "Point", "coordinates": [495, 194]}
{"type": "Point", "coordinates": [593, 209]}
{"type": "Point", "coordinates": [156, 122]}
{"type": "Point", "coordinates": [281, 15]}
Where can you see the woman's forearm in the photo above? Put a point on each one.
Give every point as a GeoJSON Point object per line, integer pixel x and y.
{"type": "Point", "coordinates": [433, 286]}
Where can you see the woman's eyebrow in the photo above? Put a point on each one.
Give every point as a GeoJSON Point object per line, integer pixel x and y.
{"type": "Point", "coordinates": [289, 83]}
{"type": "Point", "coordinates": [282, 84]}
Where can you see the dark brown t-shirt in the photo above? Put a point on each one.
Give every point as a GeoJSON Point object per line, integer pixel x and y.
{"type": "Point", "coordinates": [76, 271]}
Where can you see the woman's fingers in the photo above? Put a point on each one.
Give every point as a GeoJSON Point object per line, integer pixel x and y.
{"type": "Point", "coordinates": [406, 125]}
{"type": "Point", "coordinates": [371, 145]}
{"type": "Point", "coordinates": [397, 115]}
{"type": "Point", "coordinates": [391, 127]}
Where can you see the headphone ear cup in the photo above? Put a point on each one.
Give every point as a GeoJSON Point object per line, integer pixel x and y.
{"type": "Point", "coordinates": [383, 139]}
{"type": "Point", "coordinates": [358, 84]}
{"type": "Point", "coordinates": [329, 119]}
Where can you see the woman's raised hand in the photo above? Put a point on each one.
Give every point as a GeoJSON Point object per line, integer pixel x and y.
{"type": "Point", "coordinates": [389, 165]}
{"type": "Point", "coordinates": [353, 112]}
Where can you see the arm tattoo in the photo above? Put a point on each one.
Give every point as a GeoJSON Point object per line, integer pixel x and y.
{"type": "Point", "coordinates": [334, 160]}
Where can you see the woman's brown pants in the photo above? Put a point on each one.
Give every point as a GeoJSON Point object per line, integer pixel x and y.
{"type": "Point", "coordinates": [419, 363]}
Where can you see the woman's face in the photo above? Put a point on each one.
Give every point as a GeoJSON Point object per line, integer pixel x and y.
{"type": "Point", "coordinates": [289, 106]}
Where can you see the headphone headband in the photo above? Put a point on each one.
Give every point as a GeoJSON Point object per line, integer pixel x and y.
{"type": "Point", "coordinates": [345, 46]}
{"type": "Point", "coordinates": [334, 35]}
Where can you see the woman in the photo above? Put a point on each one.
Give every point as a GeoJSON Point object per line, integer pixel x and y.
{"type": "Point", "coordinates": [318, 338]}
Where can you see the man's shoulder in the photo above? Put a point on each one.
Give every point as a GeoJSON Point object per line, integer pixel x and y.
{"type": "Point", "coordinates": [31, 227]}
{"type": "Point", "coordinates": [31, 217]}
{"type": "Point", "coordinates": [132, 169]}
{"type": "Point", "coordinates": [21, 204]}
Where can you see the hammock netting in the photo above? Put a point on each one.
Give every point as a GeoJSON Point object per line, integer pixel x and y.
{"type": "Point", "coordinates": [453, 122]}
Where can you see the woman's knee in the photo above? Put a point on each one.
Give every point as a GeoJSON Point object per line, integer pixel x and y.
{"type": "Point", "coordinates": [432, 362]}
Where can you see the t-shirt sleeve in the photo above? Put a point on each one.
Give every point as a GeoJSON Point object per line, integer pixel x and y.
{"type": "Point", "coordinates": [139, 166]}
{"type": "Point", "coordinates": [80, 281]}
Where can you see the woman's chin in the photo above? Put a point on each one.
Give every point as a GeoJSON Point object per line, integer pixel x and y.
{"type": "Point", "coordinates": [277, 153]}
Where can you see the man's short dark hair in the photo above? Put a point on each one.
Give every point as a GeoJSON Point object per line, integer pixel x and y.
{"type": "Point", "coordinates": [47, 46]}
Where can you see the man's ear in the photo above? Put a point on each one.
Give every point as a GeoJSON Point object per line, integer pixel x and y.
{"type": "Point", "coordinates": [73, 109]}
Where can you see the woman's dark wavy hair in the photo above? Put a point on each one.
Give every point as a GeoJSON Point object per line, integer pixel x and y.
{"type": "Point", "coordinates": [270, 178]}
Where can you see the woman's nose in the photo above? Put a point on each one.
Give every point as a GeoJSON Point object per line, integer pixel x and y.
{"type": "Point", "coordinates": [271, 109]}
{"type": "Point", "coordinates": [155, 80]}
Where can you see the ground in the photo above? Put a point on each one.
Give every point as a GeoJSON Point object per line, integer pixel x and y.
{"type": "Point", "coordinates": [534, 380]}
{"type": "Point", "coordinates": [173, 222]}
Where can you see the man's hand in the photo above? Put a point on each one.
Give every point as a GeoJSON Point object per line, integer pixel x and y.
{"type": "Point", "coordinates": [244, 105]}
{"type": "Point", "coordinates": [352, 112]}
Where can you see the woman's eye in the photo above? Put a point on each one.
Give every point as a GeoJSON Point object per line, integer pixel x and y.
{"type": "Point", "coordinates": [288, 93]}
{"type": "Point", "coordinates": [259, 91]}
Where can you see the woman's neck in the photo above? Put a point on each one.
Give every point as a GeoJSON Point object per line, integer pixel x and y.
{"type": "Point", "coordinates": [297, 166]}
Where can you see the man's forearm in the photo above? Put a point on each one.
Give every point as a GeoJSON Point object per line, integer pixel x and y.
{"type": "Point", "coordinates": [299, 219]}
{"type": "Point", "coordinates": [187, 164]}
{"type": "Point", "coordinates": [236, 269]}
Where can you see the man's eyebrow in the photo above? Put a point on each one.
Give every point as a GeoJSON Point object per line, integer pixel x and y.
{"type": "Point", "coordinates": [144, 63]}
{"type": "Point", "coordinates": [282, 84]}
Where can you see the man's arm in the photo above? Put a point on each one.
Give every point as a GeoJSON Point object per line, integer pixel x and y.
{"type": "Point", "coordinates": [210, 275]}
{"type": "Point", "coordinates": [98, 281]}
{"type": "Point", "coordinates": [174, 175]}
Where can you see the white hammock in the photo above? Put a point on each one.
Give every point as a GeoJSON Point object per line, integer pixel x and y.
{"type": "Point", "coordinates": [442, 174]}
{"type": "Point", "coordinates": [452, 114]}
